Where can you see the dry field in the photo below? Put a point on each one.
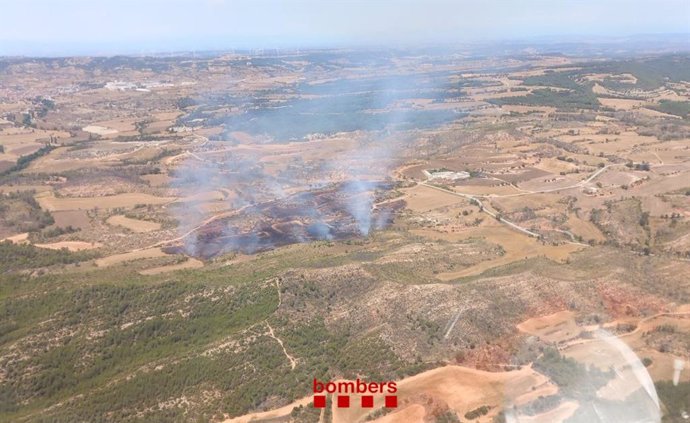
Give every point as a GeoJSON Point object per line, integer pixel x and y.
{"type": "Point", "coordinates": [555, 328]}
{"type": "Point", "coordinates": [190, 263]}
{"type": "Point", "coordinates": [517, 246]}
{"type": "Point", "coordinates": [70, 245]}
{"type": "Point", "coordinates": [74, 218]}
{"type": "Point", "coordinates": [99, 130]}
{"type": "Point", "coordinates": [128, 200]}
{"type": "Point", "coordinates": [422, 199]}
{"type": "Point", "coordinates": [130, 256]}
{"type": "Point", "coordinates": [134, 225]}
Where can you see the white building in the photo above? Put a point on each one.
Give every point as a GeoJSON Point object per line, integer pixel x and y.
{"type": "Point", "coordinates": [446, 174]}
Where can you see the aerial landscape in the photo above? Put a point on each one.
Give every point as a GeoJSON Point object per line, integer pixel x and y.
{"type": "Point", "coordinates": [502, 229]}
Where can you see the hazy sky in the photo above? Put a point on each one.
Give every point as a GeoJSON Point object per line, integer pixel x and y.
{"type": "Point", "coordinates": [131, 26]}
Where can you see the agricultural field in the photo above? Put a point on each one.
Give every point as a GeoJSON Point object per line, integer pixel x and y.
{"type": "Point", "coordinates": [196, 238]}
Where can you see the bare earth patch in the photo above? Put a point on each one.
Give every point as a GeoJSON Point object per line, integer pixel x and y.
{"type": "Point", "coordinates": [132, 255]}
{"type": "Point", "coordinates": [99, 130]}
{"type": "Point", "coordinates": [70, 245]}
{"type": "Point", "coordinates": [190, 263]}
{"type": "Point", "coordinates": [18, 239]}
{"type": "Point", "coordinates": [553, 328]}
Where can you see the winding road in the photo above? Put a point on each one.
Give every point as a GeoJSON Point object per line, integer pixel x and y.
{"type": "Point", "coordinates": [475, 198]}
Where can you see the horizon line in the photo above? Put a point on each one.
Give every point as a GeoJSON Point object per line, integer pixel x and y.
{"type": "Point", "coordinates": [155, 49]}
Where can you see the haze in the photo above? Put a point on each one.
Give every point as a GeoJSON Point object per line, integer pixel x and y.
{"type": "Point", "coordinates": [118, 27]}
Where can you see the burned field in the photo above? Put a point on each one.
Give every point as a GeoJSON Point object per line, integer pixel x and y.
{"type": "Point", "coordinates": [334, 213]}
